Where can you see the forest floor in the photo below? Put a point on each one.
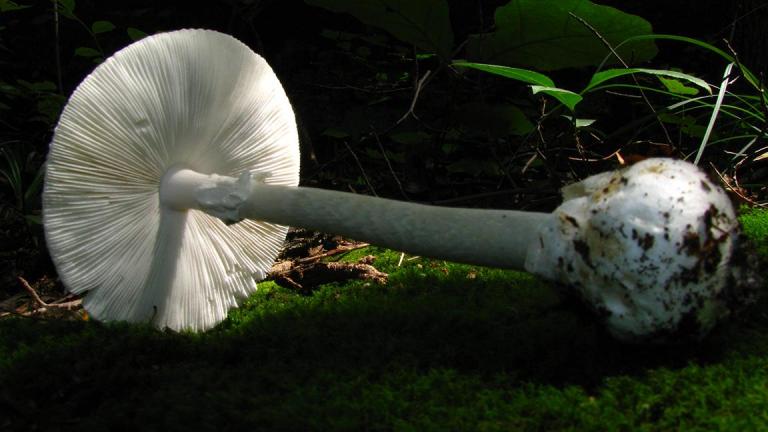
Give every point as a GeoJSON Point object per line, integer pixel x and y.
{"type": "Point", "coordinates": [438, 346]}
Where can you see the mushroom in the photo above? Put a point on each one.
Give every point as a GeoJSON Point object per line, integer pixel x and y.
{"type": "Point", "coordinates": [192, 98]}
{"type": "Point", "coordinates": [173, 174]}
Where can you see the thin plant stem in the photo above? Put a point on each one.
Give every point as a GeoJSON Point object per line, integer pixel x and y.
{"type": "Point", "coordinates": [57, 48]}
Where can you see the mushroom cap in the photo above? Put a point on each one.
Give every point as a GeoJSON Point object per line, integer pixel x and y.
{"type": "Point", "coordinates": [195, 99]}
{"type": "Point", "coordinates": [648, 247]}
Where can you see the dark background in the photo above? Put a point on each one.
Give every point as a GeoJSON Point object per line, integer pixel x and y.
{"type": "Point", "coordinates": [349, 96]}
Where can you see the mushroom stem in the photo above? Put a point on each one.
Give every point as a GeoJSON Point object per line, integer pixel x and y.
{"type": "Point", "coordinates": [496, 238]}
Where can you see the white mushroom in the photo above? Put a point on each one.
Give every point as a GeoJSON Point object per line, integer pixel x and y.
{"type": "Point", "coordinates": [175, 138]}
{"type": "Point", "coordinates": [648, 247]}
{"type": "Point", "coordinates": [198, 99]}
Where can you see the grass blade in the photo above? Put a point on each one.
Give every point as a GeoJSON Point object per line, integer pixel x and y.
{"type": "Point", "coordinates": [715, 111]}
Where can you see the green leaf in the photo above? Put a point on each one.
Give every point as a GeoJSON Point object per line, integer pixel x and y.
{"type": "Point", "coordinates": [715, 111]}
{"type": "Point", "coordinates": [135, 34]}
{"type": "Point", "coordinates": [102, 27]}
{"type": "Point", "coordinates": [50, 105]}
{"type": "Point", "coordinates": [748, 74]}
{"type": "Point", "coordinates": [86, 52]}
{"type": "Point", "coordinates": [524, 75]}
{"type": "Point", "coordinates": [565, 97]}
{"type": "Point", "coordinates": [423, 23]}
{"type": "Point", "coordinates": [67, 4]}
{"type": "Point", "coordinates": [606, 75]}
{"type": "Point", "coordinates": [544, 35]}
{"type": "Point", "coordinates": [67, 8]}
{"type": "Point", "coordinates": [579, 122]}
{"type": "Point", "coordinates": [677, 87]}
{"type": "Point", "coordinates": [8, 6]}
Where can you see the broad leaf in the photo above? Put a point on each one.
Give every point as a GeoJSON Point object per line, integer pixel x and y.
{"type": "Point", "coordinates": [67, 8]}
{"type": "Point", "coordinates": [102, 27]}
{"type": "Point", "coordinates": [565, 97]}
{"type": "Point", "coordinates": [546, 35]}
{"type": "Point", "coordinates": [524, 75]}
{"type": "Point", "coordinates": [423, 23]}
{"type": "Point", "coordinates": [86, 52]}
{"type": "Point", "coordinates": [8, 6]}
{"type": "Point", "coordinates": [606, 75]}
{"type": "Point", "coordinates": [135, 34]}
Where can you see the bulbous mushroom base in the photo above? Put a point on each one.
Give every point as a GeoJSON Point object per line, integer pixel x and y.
{"type": "Point", "coordinates": [649, 248]}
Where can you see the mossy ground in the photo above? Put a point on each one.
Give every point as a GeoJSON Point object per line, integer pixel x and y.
{"type": "Point", "coordinates": [440, 347]}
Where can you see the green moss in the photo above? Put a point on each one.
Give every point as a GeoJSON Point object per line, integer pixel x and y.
{"type": "Point", "coordinates": [441, 346]}
{"type": "Point", "coordinates": [755, 224]}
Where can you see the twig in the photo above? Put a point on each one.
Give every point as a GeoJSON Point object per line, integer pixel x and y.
{"type": "Point", "coordinates": [389, 165]}
{"type": "Point", "coordinates": [57, 48]}
{"type": "Point", "coordinates": [306, 277]}
{"type": "Point", "coordinates": [43, 306]}
{"type": "Point", "coordinates": [338, 250]}
{"type": "Point", "coordinates": [734, 189]}
{"type": "Point", "coordinates": [420, 84]}
{"type": "Point", "coordinates": [362, 170]}
{"type": "Point", "coordinates": [31, 291]}
{"type": "Point", "coordinates": [7, 307]}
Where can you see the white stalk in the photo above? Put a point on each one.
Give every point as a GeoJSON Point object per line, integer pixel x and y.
{"type": "Point", "coordinates": [496, 238]}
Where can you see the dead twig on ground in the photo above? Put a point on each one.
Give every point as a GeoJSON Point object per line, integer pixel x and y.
{"type": "Point", "coordinates": [338, 250]}
{"type": "Point", "coordinates": [40, 306]}
{"type": "Point", "coordinates": [306, 277]}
